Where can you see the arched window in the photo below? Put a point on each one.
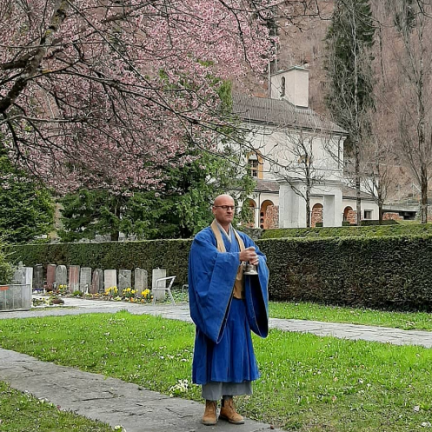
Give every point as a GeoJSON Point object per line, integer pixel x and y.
{"type": "Point", "coordinates": [264, 223]}
{"type": "Point", "coordinates": [317, 214]}
{"type": "Point", "coordinates": [349, 215]}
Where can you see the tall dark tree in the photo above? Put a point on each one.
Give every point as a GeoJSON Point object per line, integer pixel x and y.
{"type": "Point", "coordinates": [348, 64]}
{"type": "Point", "coordinates": [26, 206]}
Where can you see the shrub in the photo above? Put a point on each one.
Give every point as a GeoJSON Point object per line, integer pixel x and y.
{"type": "Point", "coordinates": [374, 230]}
{"type": "Point", "coordinates": [382, 273]}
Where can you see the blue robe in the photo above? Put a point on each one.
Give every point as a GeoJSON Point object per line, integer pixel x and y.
{"type": "Point", "coordinates": [223, 345]}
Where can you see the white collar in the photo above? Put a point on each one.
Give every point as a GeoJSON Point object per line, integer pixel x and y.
{"type": "Point", "coordinates": [227, 234]}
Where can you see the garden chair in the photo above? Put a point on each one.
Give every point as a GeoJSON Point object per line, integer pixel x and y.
{"type": "Point", "coordinates": [164, 284]}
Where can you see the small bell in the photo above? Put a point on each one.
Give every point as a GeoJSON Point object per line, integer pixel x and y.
{"type": "Point", "coordinates": [250, 270]}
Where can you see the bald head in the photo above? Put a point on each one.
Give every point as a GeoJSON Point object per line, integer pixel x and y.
{"type": "Point", "coordinates": [223, 210]}
{"type": "Point", "coordinates": [223, 198]}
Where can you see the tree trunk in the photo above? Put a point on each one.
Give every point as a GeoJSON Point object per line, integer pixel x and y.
{"type": "Point", "coordinates": [358, 184]}
{"type": "Point", "coordinates": [308, 209]}
{"type": "Point", "coordinates": [424, 195]}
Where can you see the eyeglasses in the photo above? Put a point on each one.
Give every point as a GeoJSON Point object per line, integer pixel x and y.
{"type": "Point", "coordinates": [224, 207]}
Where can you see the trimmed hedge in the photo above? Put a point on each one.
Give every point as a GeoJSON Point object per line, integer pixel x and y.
{"type": "Point", "coordinates": [168, 254]}
{"type": "Point", "coordinates": [393, 273]}
{"type": "Point", "coordinates": [350, 231]}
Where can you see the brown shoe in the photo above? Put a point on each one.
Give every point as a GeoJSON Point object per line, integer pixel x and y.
{"type": "Point", "coordinates": [229, 413]}
{"type": "Point", "coordinates": [209, 418]}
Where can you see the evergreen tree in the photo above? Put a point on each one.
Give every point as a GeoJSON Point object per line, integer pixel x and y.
{"type": "Point", "coordinates": [348, 64]}
{"type": "Point", "coordinates": [26, 206]}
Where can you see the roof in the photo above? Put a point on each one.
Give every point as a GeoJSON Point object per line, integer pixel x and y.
{"type": "Point", "coordinates": [280, 112]}
{"type": "Point", "coordinates": [351, 193]}
{"type": "Point", "coordinates": [272, 186]}
{"type": "Point", "coordinates": [266, 186]}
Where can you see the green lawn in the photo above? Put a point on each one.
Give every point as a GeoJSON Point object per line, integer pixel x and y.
{"type": "Point", "coordinates": [315, 312]}
{"type": "Point", "coordinates": [308, 383]}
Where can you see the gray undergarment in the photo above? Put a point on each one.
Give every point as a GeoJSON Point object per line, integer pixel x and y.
{"type": "Point", "coordinates": [215, 390]}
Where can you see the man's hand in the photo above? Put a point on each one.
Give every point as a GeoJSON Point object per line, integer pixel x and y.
{"type": "Point", "coordinates": [249, 255]}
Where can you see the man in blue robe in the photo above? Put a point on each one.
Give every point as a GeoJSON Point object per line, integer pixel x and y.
{"type": "Point", "coordinates": [225, 306]}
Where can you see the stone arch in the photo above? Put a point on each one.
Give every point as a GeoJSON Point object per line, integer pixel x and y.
{"type": "Point", "coordinates": [264, 222]}
{"type": "Point", "coordinates": [349, 215]}
{"type": "Point", "coordinates": [317, 214]}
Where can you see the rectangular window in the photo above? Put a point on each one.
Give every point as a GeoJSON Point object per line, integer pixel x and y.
{"type": "Point", "coordinates": [253, 167]}
{"type": "Point", "coordinates": [367, 214]}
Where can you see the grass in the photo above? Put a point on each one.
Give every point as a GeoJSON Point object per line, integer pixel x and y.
{"type": "Point", "coordinates": [23, 412]}
{"type": "Point", "coordinates": [316, 312]}
{"type": "Point", "coordinates": [308, 383]}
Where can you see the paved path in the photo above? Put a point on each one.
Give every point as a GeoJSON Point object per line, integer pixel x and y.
{"type": "Point", "coordinates": [139, 410]}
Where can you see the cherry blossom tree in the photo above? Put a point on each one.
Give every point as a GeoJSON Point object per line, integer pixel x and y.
{"type": "Point", "coordinates": [105, 93]}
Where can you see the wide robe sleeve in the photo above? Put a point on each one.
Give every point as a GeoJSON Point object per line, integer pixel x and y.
{"type": "Point", "coordinates": [211, 280]}
{"type": "Point", "coordinates": [256, 293]}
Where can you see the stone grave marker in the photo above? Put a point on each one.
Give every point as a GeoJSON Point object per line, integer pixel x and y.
{"type": "Point", "coordinates": [51, 271]}
{"type": "Point", "coordinates": [60, 276]}
{"type": "Point", "coordinates": [97, 282]}
{"type": "Point", "coordinates": [19, 274]}
{"type": "Point", "coordinates": [74, 273]}
{"type": "Point", "coordinates": [156, 274]}
{"type": "Point", "coordinates": [141, 281]}
{"type": "Point", "coordinates": [110, 279]}
{"type": "Point", "coordinates": [124, 280]}
{"type": "Point", "coordinates": [28, 278]}
{"type": "Point", "coordinates": [85, 279]}
{"type": "Point", "coordinates": [38, 280]}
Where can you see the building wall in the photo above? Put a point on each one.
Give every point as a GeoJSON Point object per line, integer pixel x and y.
{"type": "Point", "coordinates": [367, 205]}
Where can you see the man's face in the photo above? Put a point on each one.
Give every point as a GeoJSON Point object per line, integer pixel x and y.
{"type": "Point", "coordinates": [223, 215]}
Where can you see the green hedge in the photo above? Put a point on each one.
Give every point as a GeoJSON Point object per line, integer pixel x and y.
{"type": "Point", "coordinates": [383, 273]}
{"type": "Point", "coordinates": [168, 254]}
{"type": "Point", "coordinates": [350, 231]}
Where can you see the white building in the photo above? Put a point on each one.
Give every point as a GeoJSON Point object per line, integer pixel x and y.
{"type": "Point", "coordinates": [295, 153]}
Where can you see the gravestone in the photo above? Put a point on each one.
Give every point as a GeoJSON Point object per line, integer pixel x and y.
{"type": "Point", "coordinates": [28, 279]}
{"type": "Point", "coordinates": [97, 282]}
{"type": "Point", "coordinates": [85, 279]}
{"type": "Point", "coordinates": [110, 279]}
{"type": "Point", "coordinates": [38, 277]}
{"type": "Point", "coordinates": [73, 278]}
{"type": "Point", "coordinates": [141, 281]}
{"type": "Point", "coordinates": [23, 275]}
{"type": "Point", "coordinates": [156, 274]}
{"type": "Point", "coordinates": [51, 270]}
{"type": "Point", "coordinates": [125, 280]}
{"type": "Point", "coordinates": [19, 274]}
{"type": "Point", "coordinates": [61, 275]}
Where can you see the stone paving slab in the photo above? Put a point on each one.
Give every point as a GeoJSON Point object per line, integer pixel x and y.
{"type": "Point", "coordinates": [356, 332]}
{"type": "Point", "coordinates": [109, 399]}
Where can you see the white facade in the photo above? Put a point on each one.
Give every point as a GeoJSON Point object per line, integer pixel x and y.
{"type": "Point", "coordinates": [293, 144]}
